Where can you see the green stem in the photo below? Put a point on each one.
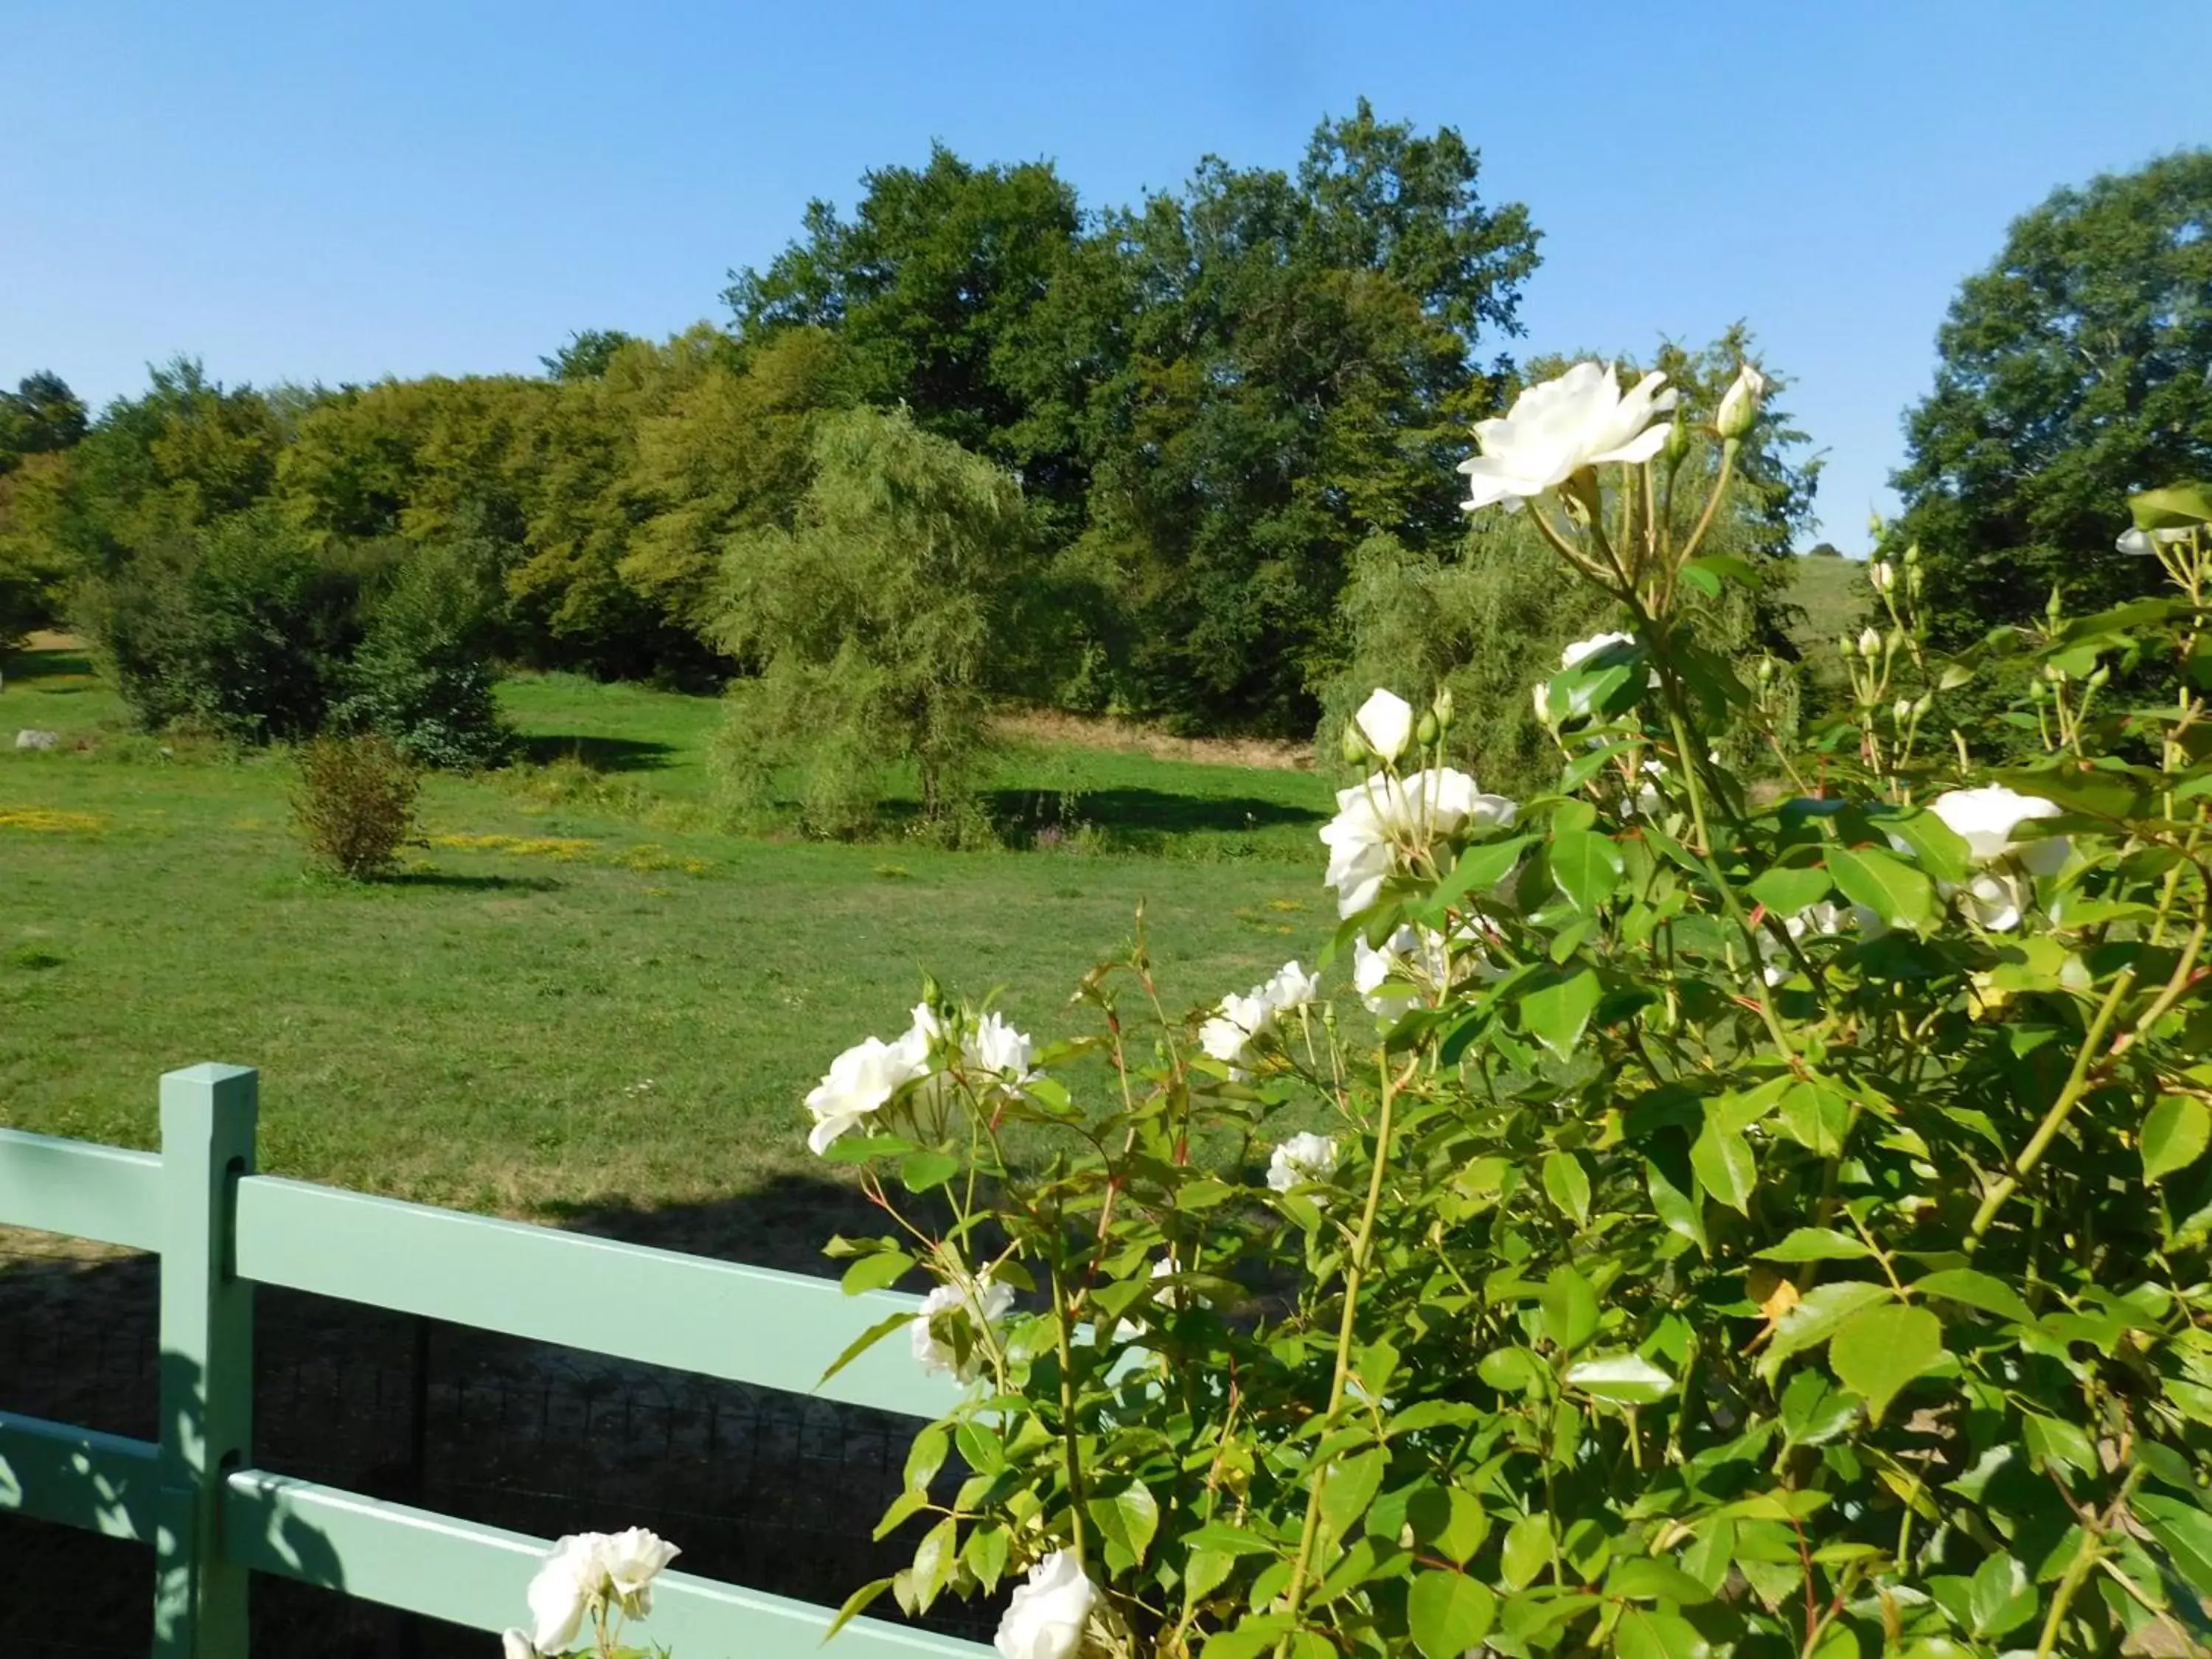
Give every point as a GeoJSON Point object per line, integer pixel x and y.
{"type": "Point", "coordinates": [2077, 1085]}
{"type": "Point", "coordinates": [2077, 1573]}
{"type": "Point", "coordinates": [1354, 1272]}
{"type": "Point", "coordinates": [1070, 1448]}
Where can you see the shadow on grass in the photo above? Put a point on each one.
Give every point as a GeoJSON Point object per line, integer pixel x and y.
{"type": "Point", "coordinates": [27, 666]}
{"type": "Point", "coordinates": [1141, 811]}
{"type": "Point", "coordinates": [459, 883]}
{"type": "Point", "coordinates": [598, 754]}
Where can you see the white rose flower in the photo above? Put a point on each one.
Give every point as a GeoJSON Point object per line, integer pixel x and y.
{"type": "Point", "coordinates": [997, 1047]}
{"type": "Point", "coordinates": [1386, 721]}
{"type": "Point", "coordinates": [1554, 431]}
{"type": "Point", "coordinates": [1985, 818]}
{"type": "Point", "coordinates": [1996, 897]}
{"type": "Point", "coordinates": [633, 1559]}
{"type": "Point", "coordinates": [516, 1644]}
{"type": "Point", "coordinates": [1379, 821]}
{"type": "Point", "coordinates": [1590, 646]}
{"type": "Point", "coordinates": [1231, 1034]}
{"type": "Point", "coordinates": [1303, 1157]}
{"type": "Point", "coordinates": [2143, 543]}
{"type": "Point", "coordinates": [1815, 921]}
{"type": "Point", "coordinates": [1046, 1616]}
{"type": "Point", "coordinates": [1291, 989]}
{"type": "Point", "coordinates": [860, 1083]}
{"type": "Point", "coordinates": [1740, 404]}
{"type": "Point", "coordinates": [1377, 974]}
{"type": "Point", "coordinates": [982, 1306]}
{"type": "Point", "coordinates": [574, 1575]}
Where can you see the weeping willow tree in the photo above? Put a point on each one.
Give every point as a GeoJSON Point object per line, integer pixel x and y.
{"type": "Point", "coordinates": [872, 625]}
{"type": "Point", "coordinates": [1489, 619]}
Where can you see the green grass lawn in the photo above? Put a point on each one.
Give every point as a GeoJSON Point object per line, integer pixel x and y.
{"type": "Point", "coordinates": [558, 1004]}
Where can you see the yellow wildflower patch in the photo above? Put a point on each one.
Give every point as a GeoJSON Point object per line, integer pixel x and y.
{"type": "Point", "coordinates": [528, 847]}
{"type": "Point", "coordinates": [44, 821]}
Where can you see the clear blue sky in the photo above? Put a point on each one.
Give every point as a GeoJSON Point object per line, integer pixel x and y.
{"type": "Point", "coordinates": [312, 192]}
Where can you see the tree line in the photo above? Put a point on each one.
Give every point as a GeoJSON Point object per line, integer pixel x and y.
{"type": "Point", "coordinates": [1215, 430]}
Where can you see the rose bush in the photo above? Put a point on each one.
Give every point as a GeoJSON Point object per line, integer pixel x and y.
{"type": "Point", "coordinates": [1756, 1210]}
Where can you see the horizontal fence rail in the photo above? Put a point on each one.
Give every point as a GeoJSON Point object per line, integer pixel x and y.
{"type": "Point", "coordinates": [468, 1573]}
{"type": "Point", "coordinates": [213, 1519]}
{"type": "Point", "coordinates": [84, 1191]}
{"type": "Point", "coordinates": [721, 1318]}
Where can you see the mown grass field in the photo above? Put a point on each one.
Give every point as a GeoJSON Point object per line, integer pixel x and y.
{"type": "Point", "coordinates": [563, 1003]}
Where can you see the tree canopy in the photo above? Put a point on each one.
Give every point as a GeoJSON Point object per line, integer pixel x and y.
{"type": "Point", "coordinates": [2070, 373]}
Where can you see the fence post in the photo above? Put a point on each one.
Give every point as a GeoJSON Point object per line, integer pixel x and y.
{"type": "Point", "coordinates": [207, 1359]}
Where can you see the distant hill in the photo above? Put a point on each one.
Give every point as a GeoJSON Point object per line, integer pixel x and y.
{"type": "Point", "coordinates": [1832, 592]}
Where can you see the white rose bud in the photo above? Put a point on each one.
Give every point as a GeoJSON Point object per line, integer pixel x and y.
{"type": "Point", "coordinates": [1386, 721]}
{"type": "Point", "coordinates": [515, 1644]}
{"type": "Point", "coordinates": [1869, 645]}
{"type": "Point", "coordinates": [1740, 406]}
{"type": "Point", "coordinates": [1901, 711]}
{"type": "Point", "coordinates": [1046, 1616]}
{"type": "Point", "coordinates": [1881, 577]}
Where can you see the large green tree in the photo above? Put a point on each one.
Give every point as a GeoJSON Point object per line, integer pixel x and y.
{"type": "Point", "coordinates": [928, 286]}
{"type": "Point", "coordinates": [1304, 361]}
{"type": "Point", "coordinates": [2074, 370]}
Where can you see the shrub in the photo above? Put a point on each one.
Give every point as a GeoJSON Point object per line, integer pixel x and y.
{"type": "Point", "coordinates": [1756, 1222]}
{"type": "Point", "coordinates": [420, 675]}
{"type": "Point", "coordinates": [355, 805]}
{"type": "Point", "coordinates": [242, 628]}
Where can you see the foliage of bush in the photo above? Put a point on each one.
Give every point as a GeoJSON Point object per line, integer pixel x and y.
{"type": "Point", "coordinates": [355, 803]}
{"type": "Point", "coordinates": [421, 673]}
{"type": "Point", "coordinates": [257, 630]}
{"type": "Point", "coordinates": [241, 628]}
{"type": "Point", "coordinates": [1750, 1226]}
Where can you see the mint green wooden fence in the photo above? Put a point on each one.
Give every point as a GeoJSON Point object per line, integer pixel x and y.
{"type": "Point", "coordinates": [214, 1519]}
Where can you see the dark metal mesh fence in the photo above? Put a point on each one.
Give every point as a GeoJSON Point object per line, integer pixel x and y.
{"type": "Point", "coordinates": [770, 1490]}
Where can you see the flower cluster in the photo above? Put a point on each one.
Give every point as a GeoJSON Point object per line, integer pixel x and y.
{"type": "Point", "coordinates": [869, 1075]}
{"type": "Point", "coordinates": [1233, 1032]}
{"type": "Point", "coordinates": [586, 1576]}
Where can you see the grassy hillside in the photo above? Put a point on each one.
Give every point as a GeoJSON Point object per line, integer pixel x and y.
{"type": "Point", "coordinates": [560, 1004]}
{"type": "Point", "coordinates": [1834, 597]}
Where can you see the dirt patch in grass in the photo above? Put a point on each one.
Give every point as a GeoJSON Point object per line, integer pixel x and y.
{"type": "Point", "coordinates": [1099, 731]}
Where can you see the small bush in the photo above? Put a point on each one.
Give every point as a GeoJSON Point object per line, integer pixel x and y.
{"type": "Point", "coordinates": [355, 803]}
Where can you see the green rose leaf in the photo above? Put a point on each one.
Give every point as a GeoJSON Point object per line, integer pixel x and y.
{"type": "Point", "coordinates": [1724, 1166]}
{"type": "Point", "coordinates": [1586, 867]}
{"type": "Point", "coordinates": [2175, 1135]}
{"type": "Point", "coordinates": [1647, 1578]}
{"type": "Point", "coordinates": [1976, 1289]}
{"type": "Point", "coordinates": [1128, 1518]}
{"type": "Point", "coordinates": [1527, 1550]}
{"type": "Point", "coordinates": [1349, 1488]}
{"type": "Point", "coordinates": [1880, 1349]}
{"type": "Point", "coordinates": [1556, 1011]}
{"type": "Point", "coordinates": [1900, 895]}
{"type": "Point", "coordinates": [873, 1272]}
{"type": "Point", "coordinates": [1643, 1633]}
{"type": "Point", "coordinates": [1819, 1315]}
{"type": "Point", "coordinates": [1785, 892]}
{"type": "Point", "coordinates": [1815, 1245]}
{"type": "Point", "coordinates": [1625, 1379]}
{"type": "Point", "coordinates": [1448, 1520]}
{"type": "Point", "coordinates": [1448, 1612]}
{"type": "Point", "coordinates": [2000, 1597]}
{"type": "Point", "coordinates": [1814, 1411]}
{"type": "Point", "coordinates": [1567, 1184]}
{"type": "Point", "coordinates": [1682, 1213]}
{"type": "Point", "coordinates": [1570, 1308]}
